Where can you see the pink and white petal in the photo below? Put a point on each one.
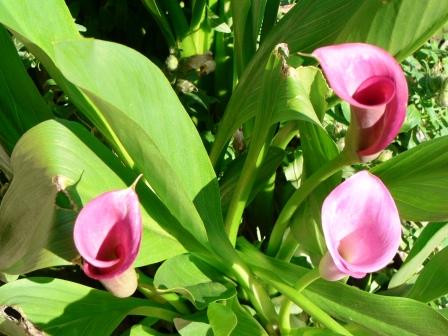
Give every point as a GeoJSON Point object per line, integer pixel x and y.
{"type": "Point", "coordinates": [361, 224]}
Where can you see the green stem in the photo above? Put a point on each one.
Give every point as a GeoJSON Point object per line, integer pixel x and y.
{"type": "Point", "coordinates": [288, 248]}
{"type": "Point", "coordinates": [243, 188]}
{"type": "Point", "coordinates": [285, 134]}
{"type": "Point", "coordinates": [161, 313]}
{"type": "Point", "coordinates": [327, 170]}
{"type": "Point", "coordinates": [308, 306]}
{"type": "Point", "coordinates": [285, 308]}
{"type": "Point", "coordinates": [258, 296]}
{"type": "Point", "coordinates": [147, 288]}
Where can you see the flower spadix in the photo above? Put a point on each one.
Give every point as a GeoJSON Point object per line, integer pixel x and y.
{"type": "Point", "coordinates": [107, 235]}
{"type": "Point", "coordinates": [361, 227]}
{"type": "Point", "coordinates": [373, 83]}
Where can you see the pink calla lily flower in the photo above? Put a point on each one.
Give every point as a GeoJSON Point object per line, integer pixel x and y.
{"type": "Point", "coordinates": [361, 227]}
{"type": "Point", "coordinates": [373, 83]}
{"type": "Point", "coordinates": [107, 234]}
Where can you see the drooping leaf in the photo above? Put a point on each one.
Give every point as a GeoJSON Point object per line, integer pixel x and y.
{"type": "Point", "coordinates": [39, 25]}
{"type": "Point", "coordinates": [432, 236]}
{"type": "Point", "coordinates": [418, 180]}
{"type": "Point", "coordinates": [193, 278]}
{"type": "Point", "coordinates": [60, 307]}
{"type": "Point", "coordinates": [383, 315]}
{"type": "Point", "coordinates": [433, 279]}
{"type": "Point", "coordinates": [54, 157]}
{"type": "Point", "coordinates": [21, 104]}
{"type": "Point", "coordinates": [172, 159]}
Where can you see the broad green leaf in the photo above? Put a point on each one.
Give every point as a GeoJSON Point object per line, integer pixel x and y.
{"type": "Point", "coordinates": [60, 307]}
{"type": "Point", "coordinates": [51, 157]}
{"type": "Point", "coordinates": [433, 279]}
{"type": "Point", "coordinates": [432, 236]}
{"type": "Point", "coordinates": [143, 115]}
{"type": "Point", "coordinates": [193, 325]}
{"type": "Point", "coordinates": [311, 24]}
{"type": "Point", "coordinates": [222, 319]}
{"type": "Point", "coordinates": [383, 315]}
{"type": "Point", "coordinates": [21, 104]}
{"type": "Point", "coordinates": [193, 278]}
{"type": "Point", "coordinates": [390, 24]}
{"type": "Point", "coordinates": [418, 180]}
{"type": "Point", "coordinates": [58, 250]}
{"type": "Point", "coordinates": [39, 24]}
{"type": "Point", "coordinates": [229, 318]}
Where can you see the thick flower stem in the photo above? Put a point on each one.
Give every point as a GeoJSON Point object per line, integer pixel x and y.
{"type": "Point", "coordinates": [327, 170]}
{"type": "Point", "coordinates": [243, 189]}
{"type": "Point", "coordinates": [258, 297]}
{"type": "Point", "coordinates": [308, 306]}
{"type": "Point", "coordinates": [285, 308]}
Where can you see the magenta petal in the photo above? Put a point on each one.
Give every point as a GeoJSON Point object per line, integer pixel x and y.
{"type": "Point", "coordinates": [373, 83]}
{"type": "Point", "coordinates": [107, 233]}
{"type": "Point", "coordinates": [361, 226]}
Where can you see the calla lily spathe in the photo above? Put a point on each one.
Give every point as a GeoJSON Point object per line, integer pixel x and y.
{"type": "Point", "coordinates": [373, 83]}
{"type": "Point", "coordinates": [107, 235]}
{"type": "Point", "coordinates": [361, 227]}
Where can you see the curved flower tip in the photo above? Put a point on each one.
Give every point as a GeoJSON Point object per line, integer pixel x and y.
{"type": "Point", "coordinates": [107, 234]}
{"type": "Point", "coordinates": [373, 83]}
{"type": "Point", "coordinates": [361, 227]}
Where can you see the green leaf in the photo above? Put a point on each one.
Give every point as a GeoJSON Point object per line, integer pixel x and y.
{"type": "Point", "coordinates": [245, 45]}
{"type": "Point", "coordinates": [314, 332]}
{"type": "Point", "coordinates": [193, 325]}
{"type": "Point", "coordinates": [317, 149]}
{"type": "Point", "coordinates": [222, 319]}
{"type": "Point", "coordinates": [39, 25]}
{"type": "Point", "coordinates": [196, 280]}
{"type": "Point", "coordinates": [58, 250]}
{"type": "Point", "coordinates": [418, 181]}
{"type": "Point", "coordinates": [228, 182]}
{"type": "Point", "coordinates": [383, 315]}
{"type": "Point", "coordinates": [433, 279]}
{"type": "Point", "coordinates": [432, 236]}
{"type": "Point", "coordinates": [143, 328]}
{"type": "Point", "coordinates": [172, 159]}
{"type": "Point", "coordinates": [21, 104]}
{"type": "Point", "coordinates": [51, 157]}
{"type": "Point", "coordinates": [229, 318]}
{"type": "Point", "coordinates": [161, 20]}
{"type": "Point", "coordinates": [311, 24]}
{"type": "Point", "coordinates": [60, 307]}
